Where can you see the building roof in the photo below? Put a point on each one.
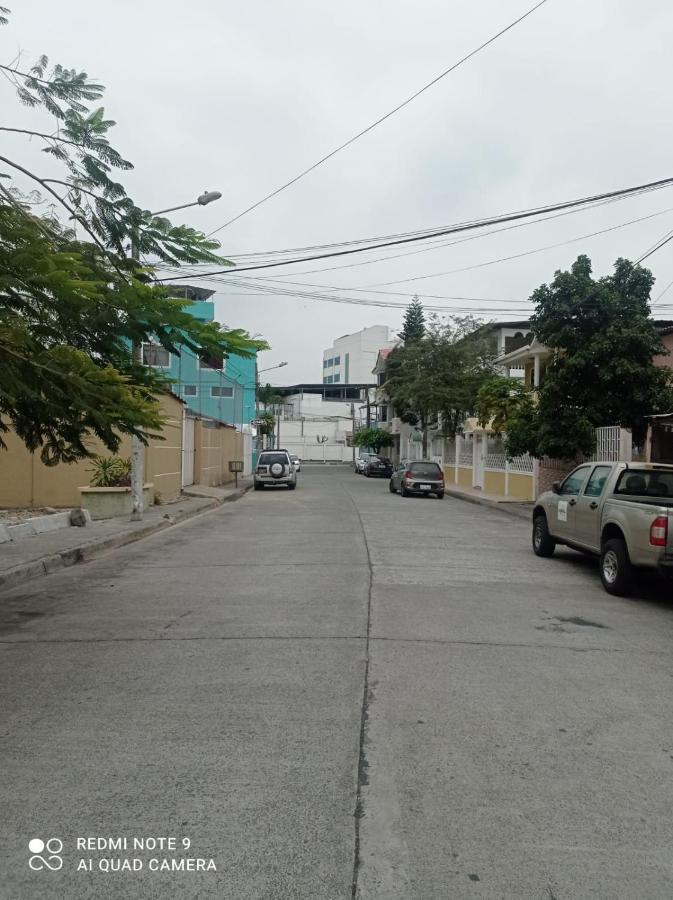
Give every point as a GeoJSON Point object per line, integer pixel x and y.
{"type": "Point", "coordinates": [189, 291]}
{"type": "Point", "coordinates": [522, 354]}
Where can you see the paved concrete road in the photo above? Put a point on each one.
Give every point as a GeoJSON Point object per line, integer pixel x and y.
{"type": "Point", "coordinates": [209, 683]}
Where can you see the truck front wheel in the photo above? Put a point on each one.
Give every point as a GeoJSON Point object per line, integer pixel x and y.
{"type": "Point", "coordinates": [543, 543]}
{"type": "Point", "coordinates": [617, 572]}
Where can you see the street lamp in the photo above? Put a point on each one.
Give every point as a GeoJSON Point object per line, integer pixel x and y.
{"type": "Point", "coordinates": [205, 198]}
{"type": "Point", "coordinates": [137, 467]}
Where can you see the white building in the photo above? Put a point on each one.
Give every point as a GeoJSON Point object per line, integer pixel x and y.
{"type": "Point", "coordinates": [317, 429]}
{"type": "Point", "coordinates": [352, 357]}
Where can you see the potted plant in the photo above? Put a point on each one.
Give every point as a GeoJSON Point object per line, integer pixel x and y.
{"type": "Point", "coordinates": [109, 493]}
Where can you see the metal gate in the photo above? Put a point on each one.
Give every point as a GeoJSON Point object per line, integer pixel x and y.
{"type": "Point", "coordinates": [187, 451]}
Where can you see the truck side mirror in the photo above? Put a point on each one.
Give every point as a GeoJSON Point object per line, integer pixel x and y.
{"type": "Point", "coordinates": [556, 487]}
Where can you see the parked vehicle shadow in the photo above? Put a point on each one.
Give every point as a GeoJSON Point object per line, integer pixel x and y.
{"type": "Point", "coordinates": [648, 587]}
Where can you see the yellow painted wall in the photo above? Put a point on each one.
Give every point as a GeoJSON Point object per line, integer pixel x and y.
{"type": "Point", "coordinates": [26, 481]}
{"type": "Point", "coordinates": [450, 474]}
{"type": "Point", "coordinates": [494, 482]}
{"type": "Point", "coordinates": [465, 477]}
{"type": "Point", "coordinates": [522, 486]}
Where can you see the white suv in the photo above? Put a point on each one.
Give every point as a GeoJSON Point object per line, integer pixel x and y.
{"type": "Point", "coordinates": [275, 467]}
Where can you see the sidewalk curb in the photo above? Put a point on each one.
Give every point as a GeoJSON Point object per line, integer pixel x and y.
{"type": "Point", "coordinates": [92, 549]}
{"type": "Point", "coordinates": [491, 504]}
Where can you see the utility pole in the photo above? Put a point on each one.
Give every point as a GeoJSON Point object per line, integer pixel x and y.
{"type": "Point", "coordinates": [369, 411]}
{"type": "Point", "coordinates": [353, 431]}
{"type": "Point", "coordinates": [137, 446]}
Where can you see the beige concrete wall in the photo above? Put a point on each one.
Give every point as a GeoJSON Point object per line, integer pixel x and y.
{"type": "Point", "coordinates": [214, 448]}
{"type": "Point", "coordinates": [25, 480]}
{"type": "Point", "coordinates": [163, 459]}
{"type": "Point", "coordinates": [16, 473]}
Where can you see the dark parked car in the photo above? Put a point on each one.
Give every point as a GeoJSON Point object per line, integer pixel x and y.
{"type": "Point", "coordinates": [419, 477]}
{"type": "Point", "coordinates": [378, 467]}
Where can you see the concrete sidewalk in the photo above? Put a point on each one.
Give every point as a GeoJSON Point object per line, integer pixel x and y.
{"type": "Point", "coordinates": [520, 508]}
{"type": "Point", "coordinates": [46, 553]}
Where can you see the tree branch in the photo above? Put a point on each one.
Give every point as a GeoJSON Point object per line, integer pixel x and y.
{"type": "Point", "coordinates": [15, 203]}
{"type": "Point", "coordinates": [48, 137]}
{"type": "Point", "coordinates": [26, 75]}
{"type": "Point", "coordinates": [60, 199]}
{"type": "Point", "coordinates": [74, 187]}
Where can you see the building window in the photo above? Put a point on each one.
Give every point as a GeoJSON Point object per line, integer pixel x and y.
{"type": "Point", "coordinates": [324, 363]}
{"type": "Point", "coordinates": [189, 390]}
{"type": "Point", "coordinates": [211, 362]}
{"type": "Point", "coordinates": [337, 377]}
{"type": "Point", "coordinates": [337, 360]}
{"type": "Point", "coordinates": [221, 392]}
{"type": "Point", "coordinates": [330, 363]}
{"type": "Point", "coordinates": [329, 379]}
{"type": "Point", "coordinates": [156, 356]}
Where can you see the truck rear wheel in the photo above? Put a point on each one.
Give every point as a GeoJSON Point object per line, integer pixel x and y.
{"type": "Point", "coordinates": [617, 571]}
{"type": "Point", "coordinates": [543, 543]}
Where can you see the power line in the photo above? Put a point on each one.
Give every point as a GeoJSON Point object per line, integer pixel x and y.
{"type": "Point", "coordinates": [435, 244]}
{"type": "Point", "coordinates": [500, 259]}
{"type": "Point", "coordinates": [623, 192]}
{"type": "Point", "coordinates": [657, 246]}
{"type": "Point", "coordinates": [382, 118]}
{"type": "Point", "coordinates": [313, 295]}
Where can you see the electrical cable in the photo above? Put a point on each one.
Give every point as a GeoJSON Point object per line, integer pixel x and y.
{"type": "Point", "coordinates": [623, 192]}
{"type": "Point", "coordinates": [492, 262]}
{"type": "Point", "coordinates": [381, 119]}
{"type": "Point", "coordinates": [657, 246]}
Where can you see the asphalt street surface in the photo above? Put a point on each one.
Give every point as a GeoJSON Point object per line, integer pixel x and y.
{"type": "Point", "coordinates": [333, 690]}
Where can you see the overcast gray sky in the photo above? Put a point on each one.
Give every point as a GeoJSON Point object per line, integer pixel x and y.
{"type": "Point", "coordinates": [241, 97]}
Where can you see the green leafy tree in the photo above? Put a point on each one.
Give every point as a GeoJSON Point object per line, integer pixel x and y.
{"type": "Point", "coordinates": [267, 423]}
{"type": "Point", "coordinates": [602, 371]}
{"type": "Point", "coordinates": [72, 306]}
{"type": "Point", "coordinates": [499, 400]}
{"type": "Point", "coordinates": [413, 326]}
{"type": "Point", "coordinates": [440, 375]}
{"type": "Point", "coordinates": [376, 438]}
{"type": "Point", "coordinates": [268, 396]}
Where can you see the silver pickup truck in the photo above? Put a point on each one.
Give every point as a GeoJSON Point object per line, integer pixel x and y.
{"type": "Point", "coordinates": [620, 512]}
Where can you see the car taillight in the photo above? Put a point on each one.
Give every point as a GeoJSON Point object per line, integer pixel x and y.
{"type": "Point", "coordinates": [408, 475]}
{"type": "Point", "coordinates": [659, 531]}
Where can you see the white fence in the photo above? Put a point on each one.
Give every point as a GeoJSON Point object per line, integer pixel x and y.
{"type": "Point", "coordinates": [613, 444]}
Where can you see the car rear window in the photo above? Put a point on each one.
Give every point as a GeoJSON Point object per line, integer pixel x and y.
{"type": "Point", "coordinates": [426, 470]}
{"type": "Point", "coordinates": [268, 459]}
{"type": "Point", "coordinates": [645, 483]}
